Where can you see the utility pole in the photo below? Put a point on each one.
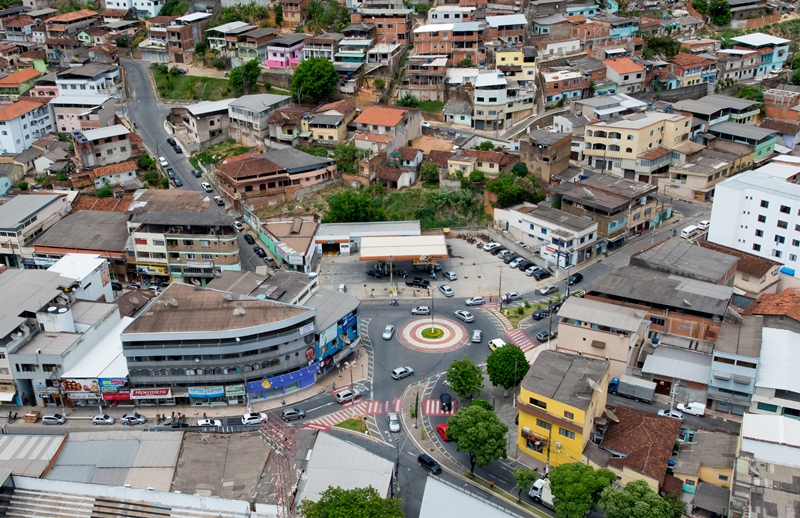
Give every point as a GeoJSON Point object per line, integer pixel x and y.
{"type": "Point", "coordinates": [396, 484]}
{"type": "Point", "coordinates": [549, 327]}
{"type": "Point", "coordinates": [391, 277]}
{"type": "Point", "coordinates": [432, 298]}
{"type": "Point", "coordinates": [500, 290]}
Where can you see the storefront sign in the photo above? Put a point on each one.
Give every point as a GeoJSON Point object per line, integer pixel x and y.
{"type": "Point", "coordinates": [152, 270]}
{"type": "Point", "coordinates": [117, 396]}
{"type": "Point", "coordinates": [111, 384]}
{"type": "Point", "coordinates": [328, 335]}
{"type": "Point", "coordinates": [308, 328]}
{"type": "Point", "coordinates": [85, 385]}
{"type": "Point", "coordinates": [83, 395]}
{"type": "Point", "coordinates": [295, 259]}
{"type": "Point", "coordinates": [206, 392]}
{"type": "Point", "coordinates": [348, 321]}
{"type": "Point", "coordinates": [234, 390]}
{"type": "Point", "coordinates": [151, 393]}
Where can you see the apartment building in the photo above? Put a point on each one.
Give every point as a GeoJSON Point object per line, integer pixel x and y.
{"type": "Point", "coordinates": [620, 146]}
{"type": "Point", "coordinates": [286, 51]}
{"type": "Point", "coordinates": [510, 28]}
{"type": "Point", "coordinates": [103, 146]}
{"type": "Point", "coordinates": [323, 46]}
{"type": "Point", "coordinates": [458, 41]}
{"type": "Point", "coordinates": [693, 69]}
{"type": "Point", "coordinates": [224, 38]}
{"type": "Point", "coordinates": [205, 122]}
{"type": "Point", "coordinates": [82, 112]}
{"type": "Point", "coordinates": [392, 26]}
{"type": "Point", "coordinates": [17, 83]}
{"type": "Point", "coordinates": [21, 123]}
{"type": "Point", "coordinates": [774, 51]}
{"type": "Point", "coordinates": [395, 125]}
{"type": "Point", "coordinates": [735, 364]}
{"type": "Point", "coordinates": [546, 154]}
{"type": "Point", "coordinates": [737, 64]}
{"type": "Point", "coordinates": [294, 12]}
{"type": "Point", "coordinates": [183, 34]}
{"type": "Point", "coordinates": [94, 78]}
{"type": "Point", "coordinates": [626, 73]}
{"type": "Point", "coordinates": [25, 217]}
{"type": "Point", "coordinates": [64, 51]}
{"type": "Point", "coordinates": [566, 85]}
{"type": "Point", "coordinates": [253, 44]}
{"type": "Point", "coordinates": [20, 29]}
{"type": "Point", "coordinates": [451, 14]}
{"type": "Point", "coordinates": [774, 386]}
{"type": "Point", "coordinates": [248, 116]}
{"type": "Point", "coordinates": [180, 235]}
{"type": "Point", "coordinates": [68, 25]}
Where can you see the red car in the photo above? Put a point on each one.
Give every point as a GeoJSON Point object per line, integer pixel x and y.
{"type": "Point", "coordinates": [441, 429]}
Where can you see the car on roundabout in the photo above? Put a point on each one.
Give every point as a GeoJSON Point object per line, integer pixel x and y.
{"type": "Point", "coordinates": [402, 372]}
{"type": "Point", "coordinates": [441, 429]}
{"type": "Point", "coordinates": [464, 315]}
{"type": "Point", "coordinates": [394, 422]}
{"type": "Point", "coordinates": [476, 301]}
{"type": "Point", "coordinates": [388, 332]}
{"type": "Point", "coordinates": [421, 310]}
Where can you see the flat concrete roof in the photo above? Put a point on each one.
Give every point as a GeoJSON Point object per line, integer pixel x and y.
{"type": "Point", "coordinates": [19, 209]}
{"type": "Point", "coordinates": [26, 291]}
{"type": "Point", "coordinates": [97, 230]}
{"type": "Point", "coordinates": [562, 377]}
{"type": "Point", "coordinates": [602, 313]}
{"type": "Point", "coordinates": [678, 256]}
{"type": "Point", "coordinates": [403, 248]}
{"type": "Point", "coordinates": [329, 231]}
{"type": "Point", "coordinates": [331, 306]}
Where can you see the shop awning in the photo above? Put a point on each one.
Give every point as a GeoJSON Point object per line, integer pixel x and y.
{"type": "Point", "coordinates": [7, 396]}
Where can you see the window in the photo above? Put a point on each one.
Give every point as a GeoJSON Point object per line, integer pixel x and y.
{"type": "Point", "coordinates": [658, 321]}
{"type": "Point", "coordinates": [158, 242]}
{"type": "Point", "coordinates": [566, 433]}
{"type": "Point", "coordinates": [543, 424]}
{"type": "Point", "coordinates": [207, 257]}
{"type": "Point", "coordinates": [759, 233]}
{"type": "Point", "coordinates": [776, 253]}
{"type": "Point", "coordinates": [783, 224]}
{"type": "Point", "coordinates": [536, 402]}
{"type": "Point", "coordinates": [786, 210]}
{"type": "Point", "coordinates": [569, 415]}
{"type": "Point", "coordinates": [762, 218]}
{"type": "Point", "coordinates": [630, 137]}
{"type": "Point", "coordinates": [757, 248]}
{"type": "Point", "coordinates": [205, 243]}
{"type": "Point", "coordinates": [767, 407]}
{"type": "Point", "coordinates": [188, 242]}
{"type": "Point", "coordinates": [779, 239]}
{"type": "Point", "coordinates": [765, 204]}
{"type": "Point", "coordinates": [792, 257]}
{"type": "Point", "coordinates": [140, 241]}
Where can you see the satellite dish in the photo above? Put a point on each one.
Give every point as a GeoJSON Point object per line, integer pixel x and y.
{"type": "Point", "coordinates": [134, 300]}
{"type": "Point", "coordinates": [688, 303]}
{"type": "Point", "coordinates": [173, 302]}
{"type": "Point", "coordinates": [588, 192]}
{"type": "Point", "coordinates": [592, 383]}
{"type": "Point", "coordinates": [611, 415]}
{"type": "Point", "coordinates": [228, 296]}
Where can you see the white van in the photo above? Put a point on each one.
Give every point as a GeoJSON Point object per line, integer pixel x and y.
{"type": "Point", "coordinates": [206, 187]}
{"type": "Point", "coordinates": [689, 232]}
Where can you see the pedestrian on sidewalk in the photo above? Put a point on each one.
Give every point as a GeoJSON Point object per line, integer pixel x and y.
{"type": "Point", "coordinates": [204, 415]}
{"type": "Point", "coordinates": [334, 385]}
{"type": "Point", "coordinates": [283, 401]}
{"type": "Point", "coordinates": [491, 484]}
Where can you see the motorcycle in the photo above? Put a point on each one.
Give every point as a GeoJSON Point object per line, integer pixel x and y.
{"type": "Point", "coordinates": [393, 302]}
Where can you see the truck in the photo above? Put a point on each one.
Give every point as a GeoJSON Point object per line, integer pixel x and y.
{"type": "Point", "coordinates": [696, 409]}
{"type": "Point", "coordinates": [634, 388]}
{"type": "Point", "coordinates": [540, 492]}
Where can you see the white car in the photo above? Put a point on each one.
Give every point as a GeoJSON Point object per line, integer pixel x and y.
{"type": "Point", "coordinates": [532, 270]}
{"type": "Point", "coordinates": [347, 395]}
{"type": "Point", "coordinates": [477, 336]}
{"type": "Point", "coordinates": [450, 276]}
{"type": "Point", "coordinates": [476, 301]}
{"type": "Point", "coordinates": [421, 310]}
{"type": "Point", "coordinates": [511, 296]}
{"type": "Point", "coordinates": [703, 225]}
{"type": "Point", "coordinates": [516, 262]}
{"type": "Point", "coordinates": [209, 422]}
{"type": "Point", "coordinates": [254, 418]}
{"type": "Point", "coordinates": [388, 332]}
{"type": "Point", "coordinates": [103, 419]}
{"type": "Point", "coordinates": [466, 316]}
{"type": "Point", "coordinates": [238, 226]}
{"type": "Point", "coordinates": [446, 290]}
{"type": "Point", "coordinates": [547, 290]}
{"type": "Point", "coordinates": [133, 418]}
{"type": "Point", "coordinates": [671, 413]}
{"type": "Point", "coordinates": [402, 372]}
{"type": "Point", "coordinates": [53, 419]}
{"type": "Point", "coordinates": [394, 422]}
{"type": "Point", "coordinates": [491, 246]}
{"type": "Point", "coordinates": [163, 161]}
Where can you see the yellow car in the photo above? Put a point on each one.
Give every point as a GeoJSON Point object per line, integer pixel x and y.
{"type": "Point", "coordinates": [496, 344]}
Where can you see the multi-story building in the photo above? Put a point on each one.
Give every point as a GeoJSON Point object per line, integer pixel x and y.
{"type": "Point", "coordinates": [713, 109]}
{"type": "Point", "coordinates": [353, 50]}
{"type": "Point", "coordinates": [21, 123]}
{"type": "Point", "coordinates": [457, 41]}
{"type": "Point", "coordinates": [328, 123]}
{"type": "Point", "coordinates": [391, 25]}
{"type": "Point", "coordinates": [82, 112]}
{"type": "Point", "coordinates": [621, 208]}
{"type": "Point", "coordinates": [626, 73]}
{"type": "Point", "coordinates": [20, 29]}
{"type": "Point", "coordinates": [561, 239]}
{"type": "Point", "coordinates": [546, 154]}
{"type": "Point", "coordinates": [783, 103]}
{"type": "Point", "coordinates": [693, 69]}
{"type": "Point", "coordinates": [754, 275]}
{"type": "Point", "coordinates": [285, 51]}
{"type": "Point", "coordinates": [103, 146]}
{"type": "Point", "coordinates": [68, 25]}
{"type": "Point", "coordinates": [775, 388]}
{"type": "Point", "coordinates": [734, 365]}
{"type": "Point", "coordinates": [224, 38]}
{"type": "Point", "coordinates": [779, 310]}
{"type": "Point", "coordinates": [760, 140]}
{"type": "Point", "coordinates": [183, 34]}
{"type": "Point", "coordinates": [774, 51]}
{"type": "Point", "coordinates": [602, 331]}
{"type": "Point", "coordinates": [248, 116]}
{"type": "Point", "coordinates": [619, 28]}
{"type": "Point", "coordinates": [94, 78]}
{"type": "Point", "coordinates": [451, 14]}
{"type": "Point", "coordinates": [558, 403]}
{"type": "Point", "coordinates": [64, 51]}
{"type": "Point", "coordinates": [17, 83]}
{"type": "Point", "coordinates": [426, 77]}
{"type": "Point", "coordinates": [253, 45]}
{"type": "Point", "coordinates": [508, 28]}
{"type": "Point", "coordinates": [294, 12]}
{"type": "Point", "coordinates": [272, 177]}
{"type": "Point", "coordinates": [737, 64]}
{"type": "Point", "coordinates": [607, 107]}
{"type": "Point", "coordinates": [23, 218]}
{"type": "Point", "coordinates": [566, 85]}
{"type": "Point", "coordinates": [323, 46]}
{"type": "Point", "coordinates": [622, 146]}
{"type": "Point", "coordinates": [489, 101]}
{"type": "Point", "coordinates": [205, 122]}
{"type": "Point", "coordinates": [397, 125]}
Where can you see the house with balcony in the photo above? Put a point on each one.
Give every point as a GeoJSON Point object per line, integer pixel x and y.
{"type": "Point", "coordinates": [426, 77]}
{"type": "Point", "coordinates": [103, 146]}
{"type": "Point", "coordinates": [735, 365]}
{"type": "Point", "coordinates": [21, 123]}
{"type": "Point", "coordinates": [508, 29]}
{"type": "Point", "coordinates": [17, 83]}
{"type": "Point", "coordinates": [65, 51]}
{"type": "Point", "coordinates": [546, 154]}
{"type": "Point", "coordinates": [94, 78]}
{"type": "Point", "coordinates": [286, 51]}
{"type": "Point", "coordinates": [693, 69]}
{"type": "Point", "coordinates": [68, 25]}
{"type": "Point", "coordinates": [737, 64]}
{"type": "Point", "coordinates": [619, 27]}
{"type": "Point", "coordinates": [694, 180]}
{"type": "Point", "coordinates": [272, 177]}
{"type": "Point", "coordinates": [284, 125]}
{"type": "Point", "coordinates": [20, 29]}
{"type": "Point", "coordinates": [602, 331]}
{"type": "Point", "coordinates": [392, 26]}
{"type": "Point", "coordinates": [82, 112]}
{"type": "Point", "coordinates": [489, 102]}
{"type": "Point", "coordinates": [205, 122]}
{"type": "Point", "coordinates": [627, 74]}
{"type": "Point", "coordinates": [249, 116]}
{"type": "Point", "coordinates": [253, 45]}
{"type": "Point", "coordinates": [224, 38]}
{"type": "Point", "coordinates": [353, 50]}
{"type": "Point", "coordinates": [324, 46]}
{"type": "Point", "coordinates": [183, 34]}
{"type": "Point", "coordinates": [394, 126]}
{"type": "Point", "coordinates": [328, 123]}
{"type": "Point", "coordinates": [773, 51]}
{"type": "Point", "coordinates": [294, 12]}
{"type": "Point", "coordinates": [566, 85]}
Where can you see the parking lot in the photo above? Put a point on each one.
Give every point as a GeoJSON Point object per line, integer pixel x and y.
{"type": "Point", "coordinates": [478, 272]}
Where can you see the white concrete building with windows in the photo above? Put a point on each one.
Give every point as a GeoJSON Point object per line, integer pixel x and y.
{"type": "Point", "coordinates": [24, 217]}
{"type": "Point", "coordinates": [555, 235]}
{"type": "Point", "coordinates": [21, 123]}
{"type": "Point", "coordinates": [777, 387]}
{"type": "Point", "coordinates": [759, 212]}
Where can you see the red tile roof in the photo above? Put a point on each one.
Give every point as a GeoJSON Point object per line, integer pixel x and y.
{"type": "Point", "coordinates": [748, 263]}
{"type": "Point", "coordinates": [73, 16]}
{"type": "Point", "coordinates": [120, 13]}
{"type": "Point", "coordinates": [344, 107]}
{"type": "Point", "coordinates": [645, 439]}
{"type": "Point", "coordinates": [374, 138]}
{"type": "Point", "coordinates": [439, 158]}
{"type": "Point", "coordinates": [786, 303]}
{"type": "Point", "coordinates": [19, 21]}
{"type": "Point", "coordinates": [13, 111]}
{"type": "Point", "coordinates": [119, 167]}
{"type": "Point", "coordinates": [496, 157]}
{"type": "Point", "coordinates": [685, 60]}
{"type": "Point", "coordinates": [287, 116]}
{"type": "Point", "coordinates": [623, 65]}
{"type": "Point", "coordinates": [653, 154]}
{"type": "Point", "coordinates": [391, 174]}
{"type": "Point", "coordinates": [381, 116]}
{"type": "Point", "coordinates": [19, 77]}
{"type": "Point", "coordinates": [408, 154]}
{"type": "Point", "coordinates": [251, 167]}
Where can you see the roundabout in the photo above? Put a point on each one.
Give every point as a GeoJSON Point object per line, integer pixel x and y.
{"type": "Point", "coordinates": [447, 335]}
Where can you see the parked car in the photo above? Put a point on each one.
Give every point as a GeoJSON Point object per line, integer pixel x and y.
{"type": "Point", "coordinates": [103, 419]}
{"type": "Point", "coordinates": [54, 419]}
{"type": "Point", "coordinates": [206, 186]}
{"type": "Point", "coordinates": [446, 401]}
{"type": "Point", "coordinates": [446, 290]}
{"type": "Point", "coordinates": [476, 301]}
{"type": "Point", "coordinates": [133, 418]}
{"type": "Point", "coordinates": [238, 226]}
{"type": "Point", "coordinates": [196, 173]}
{"type": "Point", "coordinates": [498, 251]}
{"type": "Point", "coordinates": [171, 141]}
{"type": "Point", "coordinates": [292, 414]}
{"type": "Point", "coordinates": [547, 290]}
{"type": "Point", "coordinates": [178, 182]}
{"type": "Point", "coordinates": [703, 225]}
{"type": "Point", "coordinates": [450, 276]}
{"type": "Point", "coordinates": [540, 314]}
{"type": "Point", "coordinates": [259, 251]}
{"type": "Point", "coordinates": [466, 316]}
{"type": "Point", "coordinates": [427, 463]}
{"type": "Point", "coordinates": [116, 286]}
{"type": "Point", "coordinates": [342, 288]}
{"type": "Point", "coordinates": [394, 422]}
{"type": "Point", "coordinates": [524, 265]}
{"type": "Point", "coordinates": [505, 253]}
{"type": "Point", "coordinates": [541, 275]}
{"type": "Point", "coordinates": [209, 422]}
{"type": "Point", "coordinates": [181, 71]}
{"type": "Point", "coordinates": [574, 279]}
{"type": "Point", "coordinates": [421, 310]}
{"type": "Point", "coordinates": [388, 332]}
{"type": "Point", "coordinates": [163, 161]}
{"type": "Point", "coordinates": [254, 418]}
{"type": "Point", "coordinates": [555, 307]}
{"type": "Point", "coordinates": [477, 336]}
{"type": "Point", "coordinates": [347, 395]}
{"type": "Point", "coordinates": [531, 270]}
{"type": "Point", "coordinates": [375, 273]}
{"type": "Point", "coordinates": [177, 149]}
{"type": "Point", "coordinates": [511, 296]}
{"type": "Point", "coordinates": [543, 335]}
{"type": "Point", "coordinates": [516, 262]}
{"type": "Point", "coordinates": [510, 258]}
{"type": "Point", "coordinates": [249, 239]}
{"type": "Point", "coordinates": [489, 247]}
{"type": "Point", "coordinates": [402, 372]}
{"type": "Point", "coordinates": [666, 412]}
{"type": "Point", "coordinates": [441, 429]}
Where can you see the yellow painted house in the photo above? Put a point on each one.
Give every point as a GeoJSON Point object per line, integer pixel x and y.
{"type": "Point", "coordinates": [708, 457]}
{"type": "Point", "coordinates": [559, 400]}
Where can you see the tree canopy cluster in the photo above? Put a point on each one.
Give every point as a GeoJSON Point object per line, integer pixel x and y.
{"type": "Point", "coordinates": [315, 78]}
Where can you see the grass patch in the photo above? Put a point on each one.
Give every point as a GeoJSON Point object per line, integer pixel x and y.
{"type": "Point", "coordinates": [195, 163]}
{"type": "Point", "coordinates": [220, 151]}
{"type": "Point", "coordinates": [357, 425]}
{"type": "Point", "coordinates": [431, 106]}
{"type": "Point", "coordinates": [192, 88]}
{"type": "Point", "coordinates": [432, 334]}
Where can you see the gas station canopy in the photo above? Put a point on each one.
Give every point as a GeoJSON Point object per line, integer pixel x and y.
{"type": "Point", "coordinates": [425, 249]}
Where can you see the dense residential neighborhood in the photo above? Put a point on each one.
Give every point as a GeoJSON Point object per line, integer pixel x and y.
{"type": "Point", "coordinates": [424, 259]}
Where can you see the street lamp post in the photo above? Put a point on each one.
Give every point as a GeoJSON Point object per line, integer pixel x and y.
{"type": "Point", "coordinates": [349, 366]}
{"type": "Point", "coordinates": [432, 308]}
{"type": "Point", "coordinates": [500, 290]}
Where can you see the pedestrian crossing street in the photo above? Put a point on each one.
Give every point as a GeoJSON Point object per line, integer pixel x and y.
{"type": "Point", "coordinates": [434, 407]}
{"type": "Point", "coordinates": [520, 339]}
{"type": "Point", "coordinates": [361, 408]}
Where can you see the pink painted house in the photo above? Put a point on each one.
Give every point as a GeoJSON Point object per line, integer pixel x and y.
{"type": "Point", "coordinates": [286, 51]}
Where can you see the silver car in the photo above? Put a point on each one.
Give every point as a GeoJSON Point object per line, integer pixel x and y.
{"type": "Point", "coordinates": [394, 422]}
{"type": "Point", "coordinates": [53, 419]}
{"type": "Point", "coordinates": [446, 290]}
{"type": "Point", "coordinates": [476, 301]}
{"type": "Point", "coordinates": [450, 276]}
{"type": "Point", "coordinates": [421, 310]}
{"type": "Point", "coordinates": [477, 336]}
{"type": "Point", "coordinates": [466, 316]}
{"type": "Point", "coordinates": [388, 332]}
{"type": "Point", "coordinates": [103, 419]}
{"type": "Point", "coordinates": [133, 418]}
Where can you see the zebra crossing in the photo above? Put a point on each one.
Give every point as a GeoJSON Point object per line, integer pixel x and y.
{"type": "Point", "coordinates": [361, 408]}
{"type": "Point", "coordinates": [434, 407]}
{"type": "Point", "coordinates": [520, 339]}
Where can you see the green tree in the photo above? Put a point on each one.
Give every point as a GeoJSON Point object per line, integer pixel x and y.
{"type": "Point", "coordinates": [478, 432]}
{"type": "Point", "coordinates": [524, 477]}
{"type": "Point", "coordinates": [520, 169]}
{"type": "Point", "coordinates": [352, 207]}
{"type": "Point", "coordinates": [251, 72]}
{"type": "Point", "coordinates": [147, 163]}
{"type": "Point", "coordinates": [796, 78]}
{"type": "Point", "coordinates": [62, 177]}
{"type": "Point", "coordinates": [720, 12]}
{"type": "Point", "coordinates": [482, 403]}
{"type": "Point", "coordinates": [465, 377]}
{"type": "Point", "coordinates": [465, 63]}
{"type": "Point", "coordinates": [235, 79]}
{"type": "Point", "coordinates": [429, 173]}
{"type": "Point", "coordinates": [336, 502]}
{"type": "Point", "coordinates": [577, 487]}
{"type": "Point", "coordinates": [152, 178]}
{"type": "Point", "coordinates": [200, 47]}
{"type": "Point", "coordinates": [123, 41]}
{"type": "Point", "coordinates": [379, 83]}
{"type": "Point", "coordinates": [278, 10]}
{"type": "Point", "coordinates": [23, 186]}
{"type": "Point", "coordinates": [477, 176]}
{"type": "Point", "coordinates": [637, 500]}
{"type": "Point", "coordinates": [104, 192]}
{"type": "Point", "coordinates": [485, 146]}
{"type": "Point", "coordinates": [701, 6]}
{"type": "Point", "coordinates": [507, 366]}
{"type": "Point", "coordinates": [315, 78]}
{"type": "Point", "coordinates": [408, 101]}
{"type": "Point", "coordinates": [64, 137]}
{"type": "Point", "coordinates": [347, 156]}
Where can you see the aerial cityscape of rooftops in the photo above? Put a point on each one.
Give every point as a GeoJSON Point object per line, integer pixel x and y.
{"type": "Point", "coordinates": [384, 258]}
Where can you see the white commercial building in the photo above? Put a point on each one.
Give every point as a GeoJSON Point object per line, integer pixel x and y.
{"type": "Point", "coordinates": [23, 218]}
{"type": "Point", "coordinates": [777, 384]}
{"type": "Point", "coordinates": [759, 212]}
{"type": "Point", "coordinates": [21, 123]}
{"type": "Point", "coordinates": [91, 271]}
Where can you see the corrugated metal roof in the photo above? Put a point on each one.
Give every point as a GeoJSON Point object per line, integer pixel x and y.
{"type": "Point", "coordinates": [28, 455]}
{"type": "Point", "coordinates": [403, 247]}
{"type": "Point", "coordinates": [680, 364]}
{"type": "Point", "coordinates": [771, 429]}
{"type": "Point", "coordinates": [442, 500]}
{"type": "Point", "coordinates": [596, 312]}
{"type": "Point", "coordinates": [779, 359]}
